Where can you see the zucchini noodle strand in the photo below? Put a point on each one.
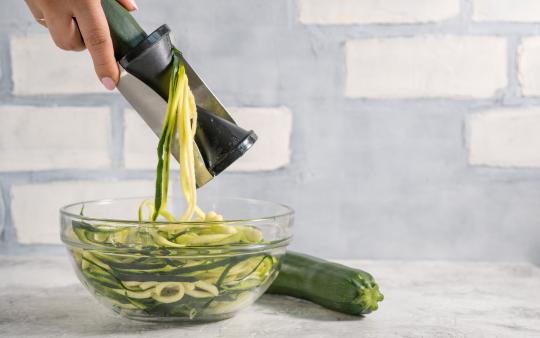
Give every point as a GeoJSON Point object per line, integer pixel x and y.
{"type": "Point", "coordinates": [181, 122]}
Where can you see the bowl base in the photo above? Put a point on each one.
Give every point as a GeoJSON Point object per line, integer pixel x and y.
{"type": "Point", "coordinates": [179, 320]}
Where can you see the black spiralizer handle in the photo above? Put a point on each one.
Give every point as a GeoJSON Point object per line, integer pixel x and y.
{"type": "Point", "coordinates": [147, 57]}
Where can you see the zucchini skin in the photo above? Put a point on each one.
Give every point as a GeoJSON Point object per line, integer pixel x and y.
{"type": "Point", "coordinates": [331, 285]}
{"type": "Point", "coordinates": [125, 31]}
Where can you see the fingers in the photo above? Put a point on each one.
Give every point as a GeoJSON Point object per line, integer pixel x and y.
{"type": "Point", "coordinates": [95, 32]}
{"type": "Point", "coordinates": [37, 13]}
{"type": "Point", "coordinates": [74, 24]}
{"type": "Point", "coordinates": [57, 16]}
{"type": "Point", "coordinates": [65, 32]}
{"type": "Point", "coordinates": [34, 8]}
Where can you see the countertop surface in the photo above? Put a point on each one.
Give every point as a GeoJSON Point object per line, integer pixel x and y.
{"type": "Point", "coordinates": [41, 297]}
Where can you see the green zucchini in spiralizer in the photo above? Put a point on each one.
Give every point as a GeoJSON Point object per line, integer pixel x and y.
{"type": "Point", "coordinates": [125, 31]}
{"type": "Point", "coordinates": [334, 286]}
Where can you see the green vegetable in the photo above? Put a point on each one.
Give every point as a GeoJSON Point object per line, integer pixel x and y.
{"type": "Point", "coordinates": [166, 138]}
{"type": "Point", "coordinates": [331, 285]}
{"type": "Point", "coordinates": [125, 31]}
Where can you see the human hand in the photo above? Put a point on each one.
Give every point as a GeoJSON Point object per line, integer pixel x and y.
{"type": "Point", "coordinates": [76, 24]}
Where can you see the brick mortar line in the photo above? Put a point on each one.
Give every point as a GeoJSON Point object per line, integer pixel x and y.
{"type": "Point", "coordinates": [47, 176]}
{"type": "Point", "coordinates": [16, 249]}
{"type": "Point", "coordinates": [464, 19]}
{"type": "Point", "coordinates": [9, 235]}
{"type": "Point", "coordinates": [513, 89]}
{"type": "Point", "coordinates": [6, 83]}
{"type": "Point", "coordinates": [3, 213]}
{"type": "Point", "coordinates": [118, 103]}
{"type": "Point", "coordinates": [65, 100]}
{"type": "Point", "coordinates": [448, 27]}
{"type": "Point", "coordinates": [292, 13]}
{"type": "Point", "coordinates": [117, 135]}
{"type": "Point", "coordinates": [466, 12]}
{"type": "Point", "coordinates": [454, 26]}
{"type": "Point", "coordinates": [493, 173]}
{"type": "Point", "coordinates": [462, 24]}
{"type": "Point", "coordinates": [112, 175]}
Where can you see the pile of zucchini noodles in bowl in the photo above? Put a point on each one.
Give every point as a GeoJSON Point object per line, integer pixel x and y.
{"type": "Point", "coordinates": [182, 267]}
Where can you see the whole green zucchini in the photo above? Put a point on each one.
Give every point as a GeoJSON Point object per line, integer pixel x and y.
{"type": "Point", "coordinates": [334, 286]}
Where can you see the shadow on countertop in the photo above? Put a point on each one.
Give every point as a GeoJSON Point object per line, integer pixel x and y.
{"type": "Point", "coordinates": [71, 311]}
{"type": "Point", "coordinates": [68, 311]}
{"type": "Point", "coordinates": [289, 306]}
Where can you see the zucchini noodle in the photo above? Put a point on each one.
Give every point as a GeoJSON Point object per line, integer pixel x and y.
{"type": "Point", "coordinates": [180, 119]}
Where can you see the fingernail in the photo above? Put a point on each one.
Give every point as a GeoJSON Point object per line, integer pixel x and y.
{"type": "Point", "coordinates": [108, 83]}
{"type": "Point", "coordinates": [134, 4]}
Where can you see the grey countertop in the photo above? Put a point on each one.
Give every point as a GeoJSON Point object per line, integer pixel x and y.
{"type": "Point", "coordinates": [40, 297]}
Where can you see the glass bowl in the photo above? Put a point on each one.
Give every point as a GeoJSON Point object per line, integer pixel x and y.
{"type": "Point", "coordinates": [176, 271]}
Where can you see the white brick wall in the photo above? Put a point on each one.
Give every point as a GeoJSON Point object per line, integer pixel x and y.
{"type": "Point", "coordinates": [426, 66]}
{"type": "Point", "coordinates": [271, 151]}
{"type": "Point", "coordinates": [39, 67]}
{"type": "Point", "coordinates": [332, 50]}
{"type": "Point", "coordinates": [273, 126]}
{"type": "Point", "coordinates": [505, 138]}
{"type": "Point", "coordinates": [342, 12]}
{"type": "Point", "coordinates": [38, 138]}
{"type": "Point", "coordinates": [506, 10]}
{"type": "Point", "coordinates": [140, 142]}
{"type": "Point", "coordinates": [35, 207]}
{"type": "Point", "coordinates": [529, 66]}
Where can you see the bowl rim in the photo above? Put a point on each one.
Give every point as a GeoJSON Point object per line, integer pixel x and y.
{"type": "Point", "coordinates": [225, 250]}
{"type": "Point", "coordinates": [134, 222]}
